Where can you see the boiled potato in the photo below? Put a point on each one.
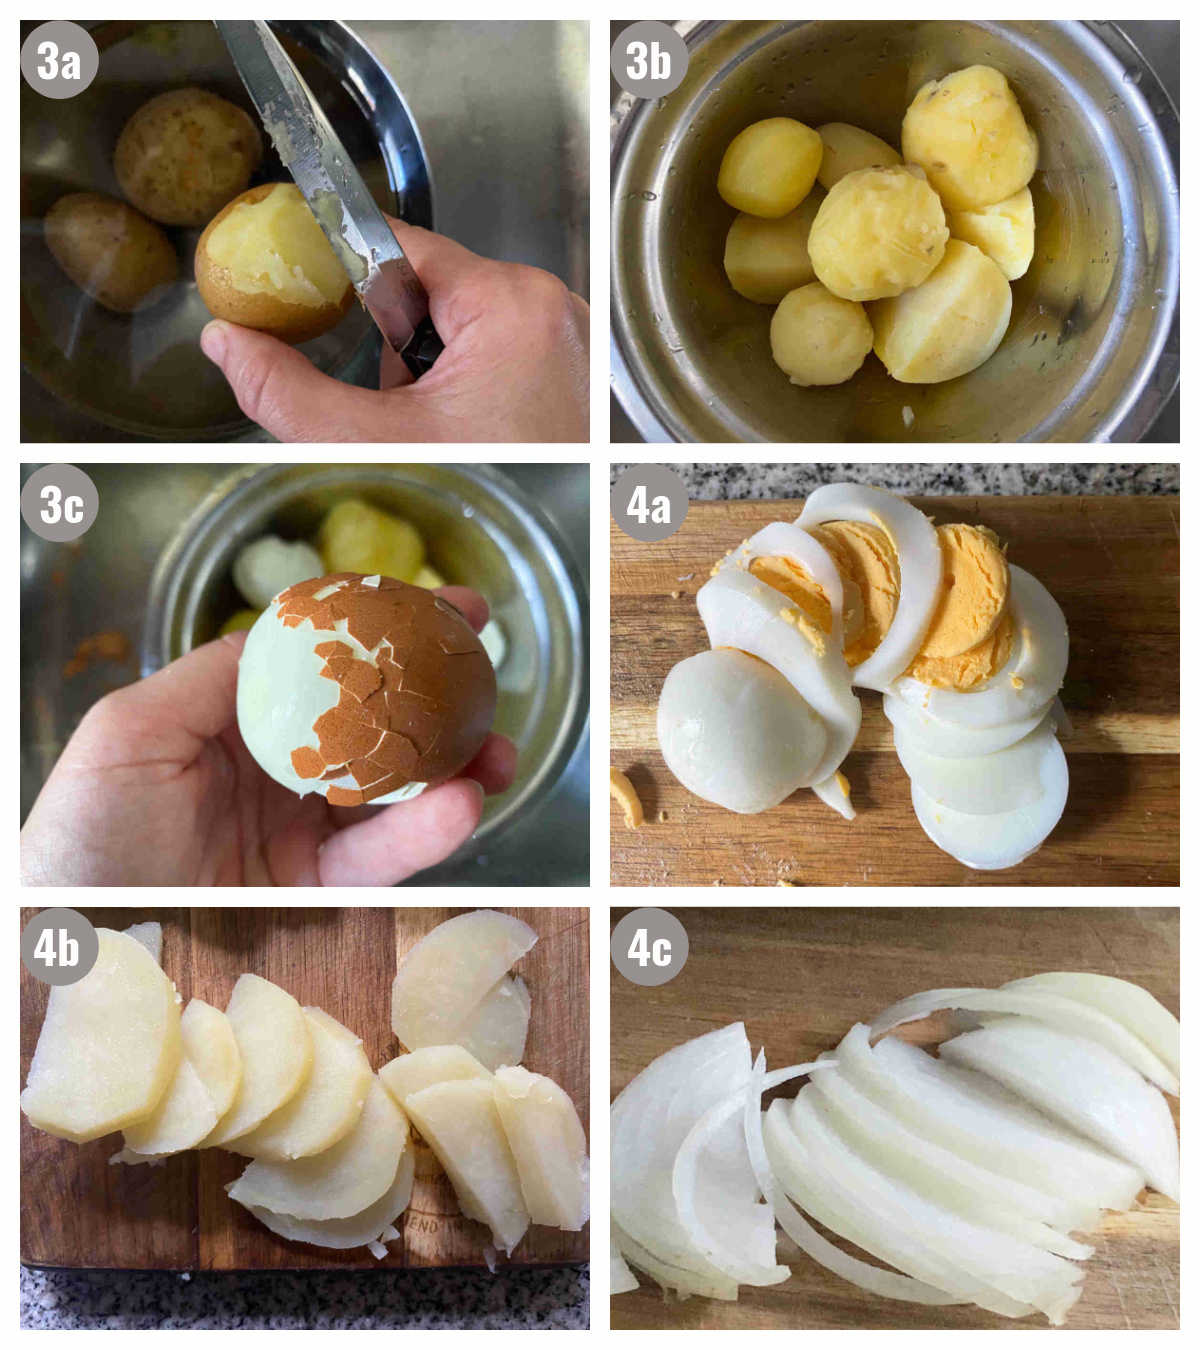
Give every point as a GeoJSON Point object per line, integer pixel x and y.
{"type": "Point", "coordinates": [770, 167]}
{"type": "Point", "coordinates": [357, 537]}
{"type": "Point", "coordinates": [819, 338]}
{"type": "Point", "coordinates": [878, 233]}
{"type": "Point", "coordinates": [264, 262]}
{"type": "Point", "coordinates": [1003, 231]}
{"type": "Point", "coordinates": [764, 259]}
{"type": "Point", "coordinates": [948, 325]}
{"type": "Point", "coordinates": [184, 154]}
{"type": "Point", "coordinates": [968, 133]}
{"type": "Point", "coordinates": [848, 149]}
{"type": "Point", "coordinates": [110, 252]}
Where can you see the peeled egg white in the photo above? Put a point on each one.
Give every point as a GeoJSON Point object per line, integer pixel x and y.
{"type": "Point", "coordinates": [1030, 678]}
{"type": "Point", "coordinates": [735, 732]}
{"type": "Point", "coordinates": [1003, 839]}
{"type": "Point", "coordinates": [955, 742]}
{"type": "Point", "coordinates": [983, 784]}
{"type": "Point", "coordinates": [920, 558]}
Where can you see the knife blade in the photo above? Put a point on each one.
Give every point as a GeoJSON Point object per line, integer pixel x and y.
{"type": "Point", "coordinates": [384, 279]}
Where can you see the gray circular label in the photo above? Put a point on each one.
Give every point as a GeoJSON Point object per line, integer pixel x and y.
{"type": "Point", "coordinates": [649, 59]}
{"type": "Point", "coordinates": [59, 946]}
{"type": "Point", "coordinates": [59, 502]}
{"type": "Point", "coordinates": [649, 947]}
{"type": "Point", "coordinates": [59, 59]}
{"type": "Point", "coordinates": [649, 502]}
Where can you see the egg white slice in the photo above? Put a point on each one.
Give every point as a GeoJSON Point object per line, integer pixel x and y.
{"type": "Point", "coordinates": [984, 784]}
{"type": "Point", "coordinates": [993, 842]}
{"type": "Point", "coordinates": [956, 742]}
{"type": "Point", "coordinates": [742, 612]}
{"type": "Point", "coordinates": [920, 558]}
{"type": "Point", "coordinates": [733, 731]}
{"type": "Point", "coordinates": [780, 539]}
{"type": "Point", "coordinates": [1030, 678]}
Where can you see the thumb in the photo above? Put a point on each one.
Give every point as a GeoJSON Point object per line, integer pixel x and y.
{"type": "Point", "coordinates": [280, 388]}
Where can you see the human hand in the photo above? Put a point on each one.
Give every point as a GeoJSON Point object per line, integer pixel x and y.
{"type": "Point", "coordinates": [515, 367]}
{"type": "Point", "coordinates": [156, 788]}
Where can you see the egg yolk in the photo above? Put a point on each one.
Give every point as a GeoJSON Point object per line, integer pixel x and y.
{"type": "Point", "coordinates": [790, 579]}
{"type": "Point", "coordinates": [974, 592]}
{"type": "Point", "coordinates": [865, 558]}
{"type": "Point", "coordinates": [971, 668]}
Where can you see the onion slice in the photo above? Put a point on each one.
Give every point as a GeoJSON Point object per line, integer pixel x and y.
{"type": "Point", "coordinates": [1064, 1013]}
{"type": "Point", "coordinates": [1082, 1083]}
{"type": "Point", "coordinates": [683, 1282]}
{"type": "Point", "coordinates": [621, 1280]}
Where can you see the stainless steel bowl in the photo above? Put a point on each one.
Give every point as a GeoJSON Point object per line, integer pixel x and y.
{"type": "Point", "coordinates": [1092, 350]}
{"type": "Point", "coordinates": [144, 374]}
{"type": "Point", "coordinates": [481, 531]}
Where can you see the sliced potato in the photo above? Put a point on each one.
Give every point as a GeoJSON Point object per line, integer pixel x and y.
{"type": "Point", "coordinates": [817, 338]}
{"type": "Point", "coordinates": [547, 1141]}
{"type": "Point", "coordinates": [769, 167]}
{"type": "Point", "coordinates": [495, 1032]}
{"type": "Point", "coordinates": [420, 1069]}
{"type": "Point", "coordinates": [119, 258]}
{"type": "Point", "coordinates": [764, 259]}
{"type": "Point", "coordinates": [183, 1118]}
{"type": "Point", "coordinates": [209, 1042]}
{"type": "Point", "coordinates": [848, 149]}
{"type": "Point", "coordinates": [1003, 231]}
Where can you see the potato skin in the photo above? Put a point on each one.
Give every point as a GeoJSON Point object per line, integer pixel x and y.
{"type": "Point", "coordinates": [118, 257]}
{"type": "Point", "coordinates": [267, 313]}
{"type": "Point", "coordinates": [184, 154]}
{"type": "Point", "coordinates": [817, 338]}
{"type": "Point", "coordinates": [769, 167]}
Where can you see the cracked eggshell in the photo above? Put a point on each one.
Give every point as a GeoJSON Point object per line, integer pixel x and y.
{"type": "Point", "coordinates": [365, 689]}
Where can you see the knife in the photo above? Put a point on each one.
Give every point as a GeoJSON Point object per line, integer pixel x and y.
{"type": "Point", "coordinates": [390, 291]}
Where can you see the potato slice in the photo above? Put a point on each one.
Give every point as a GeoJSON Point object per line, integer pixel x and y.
{"type": "Point", "coordinates": [109, 1047]}
{"type": "Point", "coordinates": [460, 1123]}
{"type": "Point", "coordinates": [326, 1108]}
{"type": "Point", "coordinates": [450, 971]}
{"type": "Point", "coordinates": [276, 1050]}
{"type": "Point", "coordinates": [414, 1072]}
{"type": "Point", "coordinates": [209, 1042]}
{"type": "Point", "coordinates": [495, 1032]}
{"type": "Point", "coordinates": [547, 1140]}
{"type": "Point", "coordinates": [342, 1181]}
{"type": "Point", "coordinates": [1003, 231]}
{"type": "Point", "coordinates": [359, 1230]}
{"type": "Point", "coordinates": [184, 1117]}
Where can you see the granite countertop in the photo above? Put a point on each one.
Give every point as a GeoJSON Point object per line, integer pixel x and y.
{"type": "Point", "coordinates": [731, 482]}
{"type": "Point", "coordinates": [518, 1299]}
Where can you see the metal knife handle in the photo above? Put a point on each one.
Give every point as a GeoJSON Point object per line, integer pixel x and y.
{"type": "Point", "coordinates": [424, 349]}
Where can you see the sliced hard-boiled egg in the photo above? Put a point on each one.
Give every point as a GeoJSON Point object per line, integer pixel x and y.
{"type": "Point", "coordinates": [1030, 678]}
{"type": "Point", "coordinates": [983, 784]}
{"type": "Point", "coordinates": [1004, 838]}
{"type": "Point", "coordinates": [735, 732]}
{"type": "Point", "coordinates": [920, 558]}
{"type": "Point", "coordinates": [936, 737]}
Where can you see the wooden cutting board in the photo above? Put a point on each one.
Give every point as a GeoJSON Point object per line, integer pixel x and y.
{"type": "Point", "coordinates": [800, 978]}
{"type": "Point", "coordinates": [1112, 563]}
{"type": "Point", "coordinates": [77, 1211]}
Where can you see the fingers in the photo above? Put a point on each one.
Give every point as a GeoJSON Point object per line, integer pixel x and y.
{"type": "Point", "coordinates": [470, 604]}
{"type": "Point", "coordinates": [404, 838]}
{"type": "Point", "coordinates": [280, 389]}
{"type": "Point", "coordinates": [495, 766]}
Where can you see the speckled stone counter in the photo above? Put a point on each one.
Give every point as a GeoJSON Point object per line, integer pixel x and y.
{"type": "Point", "coordinates": [524, 1300]}
{"type": "Point", "coordinates": [731, 482]}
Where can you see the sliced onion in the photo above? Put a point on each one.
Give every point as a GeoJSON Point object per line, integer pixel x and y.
{"type": "Point", "coordinates": [622, 1280]}
{"type": "Point", "coordinates": [940, 1176]}
{"type": "Point", "coordinates": [683, 1282]}
{"type": "Point", "coordinates": [1136, 1009]}
{"type": "Point", "coordinates": [981, 1121]}
{"type": "Point", "coordinates": [1081, 1083]}
{"type": "Point", "coordinates": [983, 1262]}
{"type": "Point", "coordinates": [885, 1283]}
{"type": "Point", "coordinates": [1064, 1013]}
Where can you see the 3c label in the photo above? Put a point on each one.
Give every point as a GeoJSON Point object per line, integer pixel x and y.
{"type": "Point", "coordinates": [649, 947]}
{"type": "Point", "coordinates": [59, 503]}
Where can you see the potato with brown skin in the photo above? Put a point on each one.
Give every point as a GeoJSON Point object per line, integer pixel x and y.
{"type": "Point", "coordinates": [184, 154]}
{"type": "Point", "coordinates": [264, 262]}
{"type": "Point", "coordinates": [118, 257]}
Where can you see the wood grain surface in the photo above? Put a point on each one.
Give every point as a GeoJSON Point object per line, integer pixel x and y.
{"type": "Point", "coordinates": [1112, 563]}
{"type": "Point", "coordinates": [77, 1211]}
{"type": "Point", "coordinates": [800, 978]}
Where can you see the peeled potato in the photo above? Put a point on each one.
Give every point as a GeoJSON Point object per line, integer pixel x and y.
{"type": "Point", "coordinates": [264, 262]}
{"type": "Point", "coordinates": [947, 326]}
{"type": "Point", "coordinates": [184, 154]}
{"type": "Point", "coordinates": [968, 133]}
{"type": "Point", "coordinates": [764, 259]}
{"type": "Point", "coordinates": [358, 537]}
{"type": "Point", "coordinates": [770, 167]}
{"type": "Point", "coordinates": [848, 149]}
{"type": "Point", "coordinates": [878, 233]}
{"type": "Point", "coordinates": [819, 338]}
{"type": "Point", "coordinates": [1003, 231]}
{"type": "Point", "coordinates": [110, 252]}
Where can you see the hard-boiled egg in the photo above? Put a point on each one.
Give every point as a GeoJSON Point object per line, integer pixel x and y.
{"type": "Point", "coordinates": [981, 785]}
{"type": "Point", "coordinates": [950, 740]}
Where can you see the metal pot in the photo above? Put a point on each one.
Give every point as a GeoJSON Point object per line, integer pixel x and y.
{"type": "Point", "coordinates": [144, 374]}
{"type": "Point", "coordinates": [1092, 351]}
{"type": "Point", "coordinates": [481, 531]}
